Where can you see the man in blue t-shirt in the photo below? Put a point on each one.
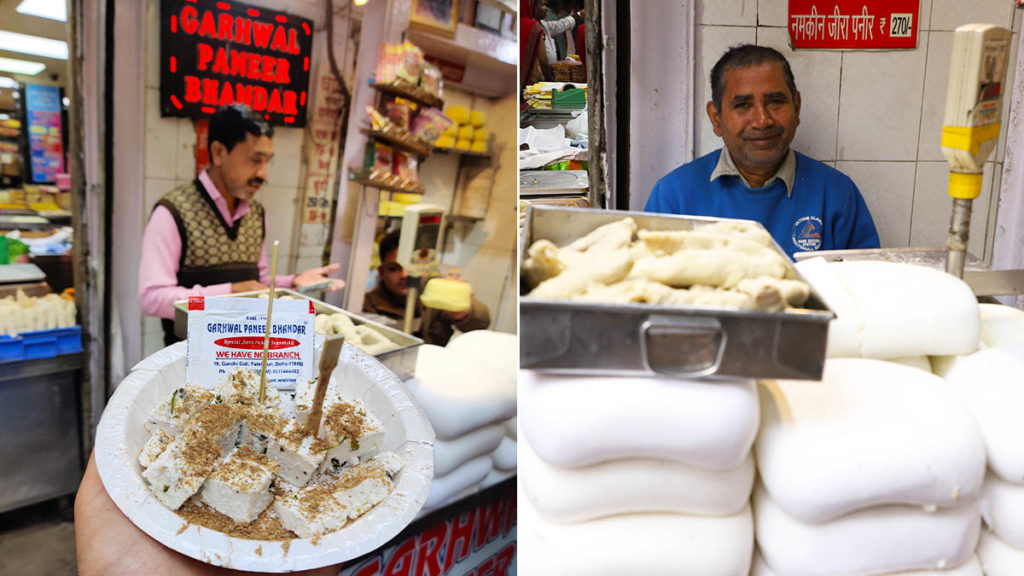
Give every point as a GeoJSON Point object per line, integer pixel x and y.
{"type": "Point", "coordinates": [755, 108]}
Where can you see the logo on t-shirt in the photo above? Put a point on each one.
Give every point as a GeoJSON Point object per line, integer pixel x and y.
{"type": "Point", "coordinates": [807, 233]}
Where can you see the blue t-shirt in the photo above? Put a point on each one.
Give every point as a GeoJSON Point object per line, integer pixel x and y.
{"type": "Point", "coordinates": [825, 211]}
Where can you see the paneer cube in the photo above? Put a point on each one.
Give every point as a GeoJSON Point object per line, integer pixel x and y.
{"type": "Point", "coordinates": [176, 410]}
{"type": "Point", "coordinates": [298, 453]}
{"type": "Point", "coordinates": [351, 432]}
{"type": "Point", "coordinates": [310, 511]}
{"type": "Point", "coordinates": [157, 443]}
{"type": "Point", "coordinates": [240, 486]}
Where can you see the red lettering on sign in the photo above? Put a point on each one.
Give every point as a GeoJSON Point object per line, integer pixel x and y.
{"type": "Point", "coordinates": [226, 95]}
{"type": "Point", "coordinates": [243, 29]}
{"type": "Point", "coordinates": [282, 72]}
{"type": "Point", "coordinates": [289, 103]}
{"type": "Point", "coordinates": [220, 62]}
{"type": "Point", "coordinates": [189, 22]}
{"type": "Point", "coordinates": [191, 89]}
{"type": "Point", "coordinates": [487, 524]}
{"type": "Point", "coordinates": [400, 563]}
{"type": "Point", "coordinates": [280, 42]}
{"type": "Point", "coordinates": [268, 69]}
{"type": "Point", "coordinates": [225, 24]}
{"type": "Point", "coordinates": [205, 54]}
{"type": "Point", "coordinates": [261, 33]}
{"type": "Point", "coordinates": [428, 556]}
{"type": "Point", "coordinates": [460, 538]}
{"type": "Point", "coordinates": [293, 40]}
{"type": "Point", "coordinates": [259, 98]}
{"type": "Point", "coordinates": [209, 91]}
{"type": "Point", "coordinates": [274, 107]}
{"type": "Point", "coordinates": [207, 27]}
{"type": "Point", "coordinates": [243, 94]}
{"type": "Point", "coordinates": [503, 559]}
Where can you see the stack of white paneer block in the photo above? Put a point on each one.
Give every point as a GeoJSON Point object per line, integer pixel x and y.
{"type": "Point", "coordinates": [468, 392]}
{"type": "Point", "coordinates": [635, 475]}
{"type": "Point", "coordinates": [240, 457]}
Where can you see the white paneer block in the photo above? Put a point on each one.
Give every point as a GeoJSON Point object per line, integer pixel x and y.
{"type": "Point", "coordinates": [351, 431]}
{"type": "Point", "coordinates": [564, 495]}
{"type": "Point", "coordinates": [878, 540]}
{"type": "Point", "coordinates": [359, 499]}
{"type": "Point", "coordinates": [450, 454]}
{"type": "Point", "coordinates": [504, 457]}
{"type": "Point", "coordinates": [1001, 326]}
{"type": "Point", "coordinates": [157, 443]}
{"type": "Point", "coordinates": [883, 313]}
{"type": "Point", "coordinates": [635, 544]}
{"type": "Point", "coordinates": [311, 511]}
{"type": "Point", "coordinates": [298, 453]}
{"type": "Point", "coordinates": [869, 433]}
{"type": "Point", "coordinates": [240, 485]}
{"type": "Point", "coordinates": [920, 362]}
{"type": "Point", "coordinates": [497, 350]}
{"type": "Point", "coordinates": [512, 427]}
{"type": "Point", "coordinates": [1002, 507]}
{"type": "Point", "coordinates": [578, 421]}
{"type": "Point", "coordinates": [175, 411]}
{"type": "Point", "coordinates": [999, 558]}
{"type": "Point", "coordinates": [304, 393]}
{"type": "Point", "coordinates": [184, 465]}
{"type": "Point", "coordinates": [258, 426]}
{"type": "Point", "coordinates": [990, 383]}
{"type": "Point", "coordinates": [971, 568]}
{"type": "Point", "coordinates": [242, 386]}
{"type": "Point", "coordinates": [457, 395]}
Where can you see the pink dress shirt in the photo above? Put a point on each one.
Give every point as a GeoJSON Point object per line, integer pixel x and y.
{"type": "Point", "coordinates": [161, 252]}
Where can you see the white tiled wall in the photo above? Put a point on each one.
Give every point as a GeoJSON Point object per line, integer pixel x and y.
{"type": "Point", "coordinates": [875, 115]}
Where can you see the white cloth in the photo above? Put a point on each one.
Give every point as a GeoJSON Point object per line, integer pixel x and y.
{"type": "Point", "coordinates": [577, 421]}
{"type": "Point", "coordinates": [565, 495]}
{"type": "Point", "coordinates": [635, 544]}
{"type": "Point", "coordinates": [554, 28]}
{"type": "Point", "coordinates": [870, 433]}
{"type": "Point", "coordinates": [990, 382]}
{"type": "Point", "coordinates": [1001, 326]}
{"type": "Point", "coordinates": [1002, 507]}
{"type": "Point", "coordinates": [878, 540]}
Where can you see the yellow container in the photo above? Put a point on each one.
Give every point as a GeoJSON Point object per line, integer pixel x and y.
{"type": "Point", "coordinates": [445, 141]}
{"type": "Point", "coordinates": [406, 198]}
{"type": "Point", "coordinates": [463, 144]}
{"type": "Point", "coordinates": [460, 114]}
{"type": "Point", "coordinates": [477, 118]}
{"type": "Point", "coordinates": [478, 146]}
{"type": "Point", "coordinates": [465, 132]}
{"type": "Point", "coordinates": [481, 134]}
{"type": "Point", "coordinates": [452, 130]}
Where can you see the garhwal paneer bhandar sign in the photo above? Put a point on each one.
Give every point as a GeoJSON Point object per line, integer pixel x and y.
{"type": "Point", "coordinates": [217, 53]}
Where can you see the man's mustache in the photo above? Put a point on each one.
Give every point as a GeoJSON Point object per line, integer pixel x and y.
{"type": "Point", "coordinates": [761, 134]}
{"type": "Point", "coordinates": [256, 182]}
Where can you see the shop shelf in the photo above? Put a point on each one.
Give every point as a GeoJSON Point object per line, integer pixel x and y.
{"type": "Point", "coordinates": [409, 92]}
{"type": "Point", "coordinates": [12, 349]}
{"type": "Point", "coordinates": [401, 139]}
{"type": "Point", "coordinates": [39, 344]}
{"type": "Point", "coordinates": [69, 340]}
{"type": "Point", "coordinates": [386, 182]}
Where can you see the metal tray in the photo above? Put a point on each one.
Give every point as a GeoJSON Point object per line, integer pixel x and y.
{"type": "Point", "coordinates": [401, 361]}
{"type": "Point", "coordinates": [570, 337]}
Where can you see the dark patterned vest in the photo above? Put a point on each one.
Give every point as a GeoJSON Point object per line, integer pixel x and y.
{"type": "Point", "coordinates": [212, 252]}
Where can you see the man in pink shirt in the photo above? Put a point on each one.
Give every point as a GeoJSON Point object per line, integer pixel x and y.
{"type": "Point", "coordinates": [208, 237]}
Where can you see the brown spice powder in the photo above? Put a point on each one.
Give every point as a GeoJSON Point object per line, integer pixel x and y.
{"type": "Point", "coordinates": [245, 470]}
{"type": "Point", "coordinates": [264, 527]}
{"type": "Point", "coordinates": [344, 421]}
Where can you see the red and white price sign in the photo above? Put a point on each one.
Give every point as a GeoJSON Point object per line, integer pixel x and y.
{"type": "Point", "coordinates": [854, 24]}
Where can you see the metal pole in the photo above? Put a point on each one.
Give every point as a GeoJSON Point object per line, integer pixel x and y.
{"type": "Point", "coordinates": [956, 243]}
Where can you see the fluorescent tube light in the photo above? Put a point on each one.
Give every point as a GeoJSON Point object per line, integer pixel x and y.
{"type": "Point", "coordinates": [35, 45]}
{"type": "Point", "coordinates": [21, 66]}
{"type": "Point", "coordinates": [52, 9]}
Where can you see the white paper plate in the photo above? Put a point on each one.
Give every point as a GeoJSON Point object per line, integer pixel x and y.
{"type": "Point", "coordinates": [121, 435]}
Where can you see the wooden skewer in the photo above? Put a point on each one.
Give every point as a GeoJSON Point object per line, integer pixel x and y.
{"type": "Point", "coordinates": [266, 332]}
{"type": "Point", "coordinates": [328, 361]}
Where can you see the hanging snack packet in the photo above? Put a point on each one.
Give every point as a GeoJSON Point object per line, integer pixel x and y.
{"type": "Point", "coordinates": [411, 64]}
{"type": "Point", "coordinates": [400, 112]}
{"type": "Point", "coordinates": [431, 79]}
{"type": "Point", "coordinates": [429, 124]}
{"type": "Point", "coordinates": [225, 334]}
{"type": "Point", "coordinates": [406, 167]}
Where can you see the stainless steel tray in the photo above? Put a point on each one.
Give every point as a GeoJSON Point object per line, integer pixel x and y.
{"type": "Point", "coordinates": [401, 361]}
{"type": "Point", "coordinates": [685, 342]}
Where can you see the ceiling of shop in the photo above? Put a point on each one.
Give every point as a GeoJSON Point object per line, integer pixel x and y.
{"type": "Point", "coordinates": [12, 21]}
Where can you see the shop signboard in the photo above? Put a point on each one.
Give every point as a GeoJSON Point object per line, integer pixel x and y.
{"type": "Point", "coordinates": [45, 144]}
{"type": "Point", "coordinates": [213, 54]}
{"type": "Point", "coordinates": [854, 24]}
{"type": "Point", "coordinates": [473, 537]}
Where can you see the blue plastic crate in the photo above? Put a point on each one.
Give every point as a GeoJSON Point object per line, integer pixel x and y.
{"type": "Point", "coordinates": [69, 340]}
{"type": "Point", "coordinates": [12, 349]}
{"type": "Point", "coordinates": [39, 344]}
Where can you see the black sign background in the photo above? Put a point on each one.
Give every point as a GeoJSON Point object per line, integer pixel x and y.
{"type": "Point", "coordinates": [254, 75]}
